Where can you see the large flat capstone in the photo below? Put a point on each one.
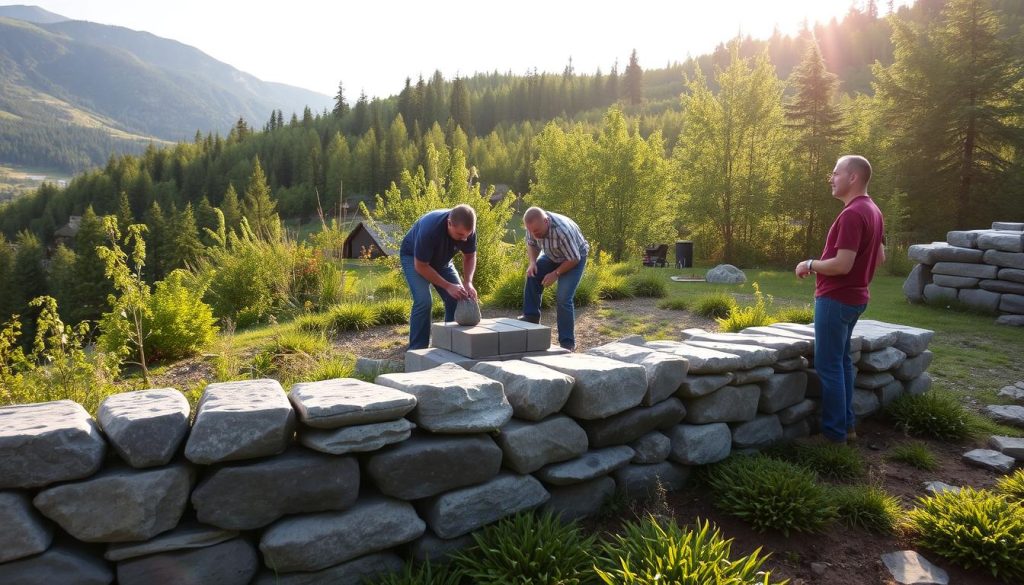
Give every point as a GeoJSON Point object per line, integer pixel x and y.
{"type": "Point", "coordinates": [233, 562]}
{"type": "Point", "coordinates": [25, 533]}
{"type": "Point", "coordinates": [910, 340]}
{"type": "Point", "coordinates": [528, 446]}
{"type": "Point", "coordinates": [586, 467]}
{"type": "Point", "coordinates": [59, 564]}
{"type": "Point", "coordinates": [240, 420]}
{"type": "Point", "coordinates": [603, 386]}
{"type": "Point", "coordinates": [1011, 414]}
{"type": "Point", "coordinates": [700, 444]}
{"type": "Point", "coordinates": [426, 465]}
{"type": "Point", "coordinates": [252, 494]}
{"type": "Point", "coordinates": [146, 427]}
{"type": "Point", "coordinates": [342, 402]}
{"type": "Point", "coordinates": [463, 510]}
{"type": "Point", "coordinates": [786, 347]}
{"type": "Point", "coordinates": [47, 442]}
{"type": "Point", "coordinates": [751, 356]}
{"type": "Point", "coordinates": [358, 438]}
{"type": "Point", "coordinates": [634, 423]}
{"type": "Point", "coordinates": [665, 371]}
{"type": "Point", "coordinates": [453, 400]}
{"type": "Point", "coordinates": [534, 391]}
{"type": "Point", "coordinates": [701, 359]}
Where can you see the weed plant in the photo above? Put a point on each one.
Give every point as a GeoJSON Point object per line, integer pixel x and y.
{"type": "Point", "coordinates": [330, 368]}
{"type": "Point", "coordinates": [300, 342]}
{"type": "Point", "coordinates": [714, 305]}
{"type": "Point", "coordinates": [424, 573]}
{"type": "Point", "coordinates": [867, 507]}
{"type": "Point", "coordinates": [351, 317]}
{"type": "Point", "coordinates": [676, 304]}
{"type": "Point", "coordinates": [929, 415]}
{"type": "Point", "coordinates": [803, 315]}
{"type": "Point", "coordinates": [313, 322]}
{"type": "Point", "coordinates": [914, 454]}
{"type": "Point", "coordinates": [756, 315]}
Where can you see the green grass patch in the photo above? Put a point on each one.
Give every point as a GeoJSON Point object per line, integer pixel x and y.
{"type": "Point", "coordinates": [425, 573]}
{"type": "Point", "coordinates": [836, 462]}
{"type": "Point", "coordinates": [649, 285]}
{"type": "Point", "coordinates": [351, 317]}
{"type": "Point", "coordinates": [914, 454]}
{"type": "Point", "coordinates": [299, 342]}
{"type": "Point", "coordinates": [716, 305]}
{"type": "Point", "coordinates": [932, 414]}
{"type": "Point", "coordinates": [392, 311]}
{"type": "Point", "coordinates": [802, 315]}
{"type": "Point", "coordinates": [867, 507]}
{"type": "Point", "coordinates": [676, 304]}
{"type": "Point", "coordinates": [331, 368]}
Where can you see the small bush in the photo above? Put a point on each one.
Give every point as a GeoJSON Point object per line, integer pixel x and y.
{"type": "Point", "coordinates": [586, 292]}
{"type": "Point", "coordinates": [973, 528]}
{"type": "Point", "coordinates": [331, 368]}
{"type": "Point", "coordinates": [508, 291]}
{"type": "Point", "coordinates": [649, 285]}
{"type": "Point", "coordinates": [614, 287]}
{"type": "Point", "coordinates": [391, 285]}
{"type": "Point", "coordinates": [423, 574]}
{"type": "Point", "coordinates": [527, 548]}
{"type": "Point", "coordinates": [298, 342]}
{"type": "Point", "coordinates": [351, 317]}
{"type": "Point", "coordinates": [914, 454]}
{"type": "Point", "coordinates": [803, 315]}
{"type": "Point", "coordinates": [771, 494]}
{"type": "Point", "coordinates": [652, 552]}
{"type": "Point", "coordinates": [867, 507]}
{"type": "Point", "coordinates": [314, 322]}
{"type": "Point", "coordinates": [392, 311]}
{"type": "Point", "coordinates": [1013, 486]}
{"type": "Point", "coordinates": [756, 315]}
{"type": "Point", "coordinates": [624, 268]}
{"type": "Point", "coordinates": [715, 305]}
{"type": "Point", "coordinates": [929, 415]}
{"type": "Point", "coordinates": [677, 304]}
{"type": "Point", "coordinates": [837, 462]}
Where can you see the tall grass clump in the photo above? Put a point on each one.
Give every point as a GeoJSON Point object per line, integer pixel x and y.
{"type": "Point", "coordinates": [837, 462]}
{"type": "Point", "coordinates": [914, 454]}
{"type": "Point", "coordinates": [867, 507]}
{"type": "Point", "coordinates": [351, 317]}
{"type": "Point", "coordinates": [300, 342]}
{"type": "Point", "coordinates": [756, 315]}
{"type": "Point", "coordinates": [392, 311]}
{"type": "Point", "coordinates": [331, 367]}
{"type": "Point", "coordinates": [313, 322]}
{"type": "Point", "coordinates": [974, 529]}
{"type": "Point", "coordinates": [614, 287]}
{"type": "Point", "coordinates": [929, 415]}
{"type": "Point", "coordinates": [802, 315]}
{"type": "Point", "coordinates": [649, 285]}
{"type": "Point", "coordinates": [676, 304]}
{"type": "Point", "coordinates": [1012, 486]}
{"type": "Point", "coordinates": [771, 494]}
{"type": "Point", "coordinates": [714, 305]}
{"type": "Point", "coordinates": [425, 573]}
{"type": "Point", "coordinates": [650, 551]}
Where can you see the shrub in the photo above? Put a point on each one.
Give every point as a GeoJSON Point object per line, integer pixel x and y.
{"type": "Point", "coordinates": [649, 285]}
{"type": "Point", "coordinates": [623, 268]}
{"type": "Point", "coordinates": [1012, 486]}
{"type": "Point", "coordinates": [392, 284]}
{"type": "Point", "coordinates": [586, 292]}
{"type": "Point", "coordinates": [914, 454]}
{"type": "Point", "coordinates": [507, 292]}
{"type": "Point", "coordinates": [333, 285]}
{"type": "Point", "coordinates": [527, 548]}
{"type": "Point", "coordinates": [838, 462]}
{"type": "Point", "coordinates": [803, 315]}
{"type": "Point", "coordinates": [613, 287]}
{"type": "Point", "coordinates": [867, 507]}
{"type": "Point", "coordinates": [652, 552]}
{"type": "Point", "coordinates": [422, 574]}
{"type": "Point", "coordinates": [316, 322]}
{"type": "Point", "coordinates": [351, 317]}
{"type": "Point", "coordinates": [755, 315]}
{"type": "Point", "coordinates": [331, 368]}
{"type": "Point", "coordinates": [973, 528]}
{"type": "Point", "coordinates": [392, 311]}
{"type": "Point", "coordinates": [770, 493]}
{"type": "Point", "coordinates": [677, 304]}
{"type": "Point", "coordinates": [930, 415]}
{"type": "Point", "coordinates": [180, 324]}
{"type": "Point", "coordinates": [249, 279]}
{"type": "Point", "coordinates": [714, 305]}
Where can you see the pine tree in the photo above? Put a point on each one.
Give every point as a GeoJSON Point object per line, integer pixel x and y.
{"type": "Point", "coordinates": [186, 248]}
{"type": "Point", "coordinates": [338, 168]}
{"type": "Point", "coordinates": [29, 279]}
{"type": "Point", "coordinates": [62, 279]}
{"type": "Point", "coordinates": [258, 206]}
{"type": "Point", "coordinates": [230, 207]}
{"type": "Point", "coordinates": [206, 218]}
{"type": "Point", "coordinates": [91, 287]}
{"type": "Point", "coordinates": [459, 100]}
{"type": "Point", "coordinates": [340, 105]}
{"type": "Point", "coordinates": [360, 116]}
{"type": "Point", "coordinates": [9, 295]}
{"type": "Point", "coordinates": [395, 149]}
{"type": "Point", "coordinates": [157, 229]}
{"type": "Point", "coordinates": [634, 80]}
{"type": "Point", "coordinates": [611, 88]}
{"type": "Point", "coordinates": [125, 217]}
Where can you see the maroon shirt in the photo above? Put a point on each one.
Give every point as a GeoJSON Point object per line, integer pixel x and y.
{"type": "Point", "coordinates": [860, 228]}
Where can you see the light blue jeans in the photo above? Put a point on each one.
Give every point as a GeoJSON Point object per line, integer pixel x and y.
{"type": "Point", "coordinates": [565, 308]}
{"type": "Point", "coordinates": [419, 320]}
{"type": "Point", "coordinates": [833, 328]}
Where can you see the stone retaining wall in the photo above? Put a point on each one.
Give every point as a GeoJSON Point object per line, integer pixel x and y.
{"type": "Point", "coordinates": [983, 269]}
{"type": "Point", "coordinates": [342, 479]}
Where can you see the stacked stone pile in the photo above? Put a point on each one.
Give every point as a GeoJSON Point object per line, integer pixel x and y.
{"type": "Point", "coordinates": [983, 269]}
{"type": "Point", "coordinates": [340, 480]}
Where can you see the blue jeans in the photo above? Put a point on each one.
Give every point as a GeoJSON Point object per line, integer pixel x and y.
{"type": "Point", "coordinates": [565, 307]}
{"type": "Point", "coordinates": [833, 327]}
{"type": "Point", "coordinates": [419, 320]}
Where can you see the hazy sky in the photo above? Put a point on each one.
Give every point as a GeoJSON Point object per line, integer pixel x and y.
{"type": "Point", "coordinates": [375, 45]}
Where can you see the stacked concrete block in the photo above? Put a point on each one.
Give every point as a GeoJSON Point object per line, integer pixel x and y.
{"type": "Point", "coordinates": [490, 339]}
{"type": "Point", "coordinates": [983, 269]}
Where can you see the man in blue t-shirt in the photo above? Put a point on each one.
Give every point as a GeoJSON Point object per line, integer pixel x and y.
{"type": "Point", "coordinates": [426, 254]}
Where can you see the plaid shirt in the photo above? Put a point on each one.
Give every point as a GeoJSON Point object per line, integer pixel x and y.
{"type": "Point", "coordinates": [564, 241]}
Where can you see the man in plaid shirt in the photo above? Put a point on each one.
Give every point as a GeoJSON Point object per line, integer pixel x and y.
{"type": "Point", "coordinates": [557, 251]}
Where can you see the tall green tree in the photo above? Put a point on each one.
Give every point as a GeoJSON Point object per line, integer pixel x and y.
{"type": "Point", "coordinates": [157, 225]}
{"type": "Point", "coordinates": [9, 295]}
{"type": "Point", "coordinates": [130, 308]}
{"type": "Point", "coordinates": [91, 287]}
{"type": "Point", "coordinates": [259, 207]}
{"type": "Point", "coordinates": [459, 106]}
{"type": "Point", "coordinates": [633, 79]}
{"type": "Point", "coordinates": [185, 248]}
{"type": "Point", "coordinates": [231, 208]}
{"type": "Point", "coordinates": [341, 106]}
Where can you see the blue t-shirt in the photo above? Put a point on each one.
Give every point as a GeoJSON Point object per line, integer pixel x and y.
{"type": "Point", "coordinates": [428, 240]}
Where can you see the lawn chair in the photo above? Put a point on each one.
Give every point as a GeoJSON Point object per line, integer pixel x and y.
{"type": "Point", "coordinates": [656, 255]}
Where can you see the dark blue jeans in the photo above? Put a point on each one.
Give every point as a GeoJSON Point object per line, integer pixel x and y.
{"type": "Point", "coordinates": [565, 308]}
{"type": "Point", "coordinates": [419, 320]}
{"type": "Point", "coordinates": [833, 327]}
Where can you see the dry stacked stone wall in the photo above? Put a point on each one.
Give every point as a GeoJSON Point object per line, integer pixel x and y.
{"type": "Point", "coordinates": [343, 479]}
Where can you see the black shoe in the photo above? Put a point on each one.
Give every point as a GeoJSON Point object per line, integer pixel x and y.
{"type": "Point", "coordinates": [535, 319]}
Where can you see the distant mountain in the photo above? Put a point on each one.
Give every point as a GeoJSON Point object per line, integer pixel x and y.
{"type": "Point", "coordinates": [58, 74]}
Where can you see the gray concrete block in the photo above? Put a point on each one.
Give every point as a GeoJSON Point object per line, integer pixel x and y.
{"type": "Point", "coordinates": [511, 339]}
{"type": "Point", "coordinates": [1004, 259]}
{"type": "Point", "coordinates": [964, 269]}
{"type": "Point", "coordinates": [475, 342]}
{"type": "Point", "coordinates": [538, 336]}
{"type": "Point", "coordinates": [441, 334]}
{"type": "Point", "coordinates": [955, 281]}
{"type": "Point", "coordinates": [1002, 286]}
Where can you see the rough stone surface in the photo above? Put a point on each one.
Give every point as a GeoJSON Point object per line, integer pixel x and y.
{"type": "Point", "coordinates": [874, 336]}
{"type": "Point", "coordinates": [725, 274]}
{"type": "Point", "coordinates": [355, 572]}
{"type": "Point", "coordinates": [913, 287]}
{"type": "Point", "coordinates": [943, 252]}
{"type": "Point", "coordinates": [955, 281]}
{"type": "Point", "coordinates": [459, 512]}
{"type": "Point", "coordinates": [1004, 241]}
{"type": "Point", "coordinates": [342, 402]}
{"type": "Point", "coordinates": [1012, 414]}
{"type": "Point", "coordinates": [865, 402]}
{"type": "Point", "coordinates": [528, 446]}
{"type": "Point", "coordinates": [467, 312]}
{"type": "Point", "coordinates": [963, 269]}
{"type": "Point", "coordinates": [628, 426]}
{"type": "Point", "coordinates": [889, 358]}
{"type": "Point", "coordinates": [700, 444]}
{"type": "Point", "coordinates": [435, 549]}
{"type": "Point", "coordinates": [938, 487]}
{"type": "Point", "coordinates": [963, 238]}
{"type": "Point", "coordinates": [603, 386]}
{"type": "Point", "coordinates": [782, 391]}
{"type": "Point", "coordinates": [785, 347]}
{"type": "Point", "coordinates": [751, 356]}
{"type": "Point", "coordinates": [757, 375]}
{"type": "Point", "coordinates": [24, 533]}
{"type": "Point", "coordinates": [186, 535]}
{"type": "Point", "coordinates": [418, 360]}
{"type": "Point", "coordinates": [119, 504]}
{"type": "Point", "coordinates": [872, 380]}
{"type": "Point", "coordinates": [990, 459]}
{"type": "Point", "coordinates": [695, 386]}
{"type": "Point", "coordinates": [356, 439]}
{"type": "Point", "coordinates": [910, 340]}
{"type": "Point", "coordinates": [644, 481]}
{"type": "Point", "coordinates": [229, 563]}
{"type": "Point", "coordinates": [797, 430]}
{"type": "Point", "coordinates": [910, 568]}
{"type": "Point", "coordinates": [47, 442]}
{"type": "Point", "coordinates": [581, 500]}
{"type": "Point", "coordinates": [59, 564]}
{"type": "Point", "coordinates": [313, 542]}
{"type": "Point", "coordinates": [1009, 446]}
{"type": "Point", "coordinates": [1002, 286]}
{"type": "Point", "coordinates": [934, 293]}
{"type": "Point", "coordinates": [891, 391]}
{"type": "Point", "coordinates": [1012, 392]}
{"type": "Point", "coordinates": [727, 404]}
{"type": "Point", "coordinates": [592, 464]}
{"type": "Point", "coordinates": [534, 391]}
{"type": "Point", "coordinates": [701, 359]}
{"type": "Point", "coordinates": [913, 367]}
{"type": "Point", "coordinates": [252, 494]}
{"type": "Point", "coordinates": [451, 400]}
{"type": "Point", "coordinates": [665, 371]}
{"type": "Point", "coordinates": [918, 385]}
{"type": "Point", "coordinates": [1013, 226]}
{"type": "Point", "coordinates": [1010, 320]}
{"type": "Point", "coordinates": [980, 300]}
{"type": "Point", "coordinates": [1011, 274]}
{"type": "Point", "coordinates": [762, 432]}
{"type": "Point", "coordinates": [653, 447]}
{"type": "Point", "coordinates": [372, 367]}
{"type": "Point", "coordinates": [797, 412]}
{"type": "Point", "coordinates": [240, 420]}
{"type": "Point", "coordinates": [426, 465]}
{"type": "Point", "coordinates": [790, 365]}
{"type": "Point", "coordinates": [1012, 303]}
{"type": "Point", "coordinates": [146, 427]}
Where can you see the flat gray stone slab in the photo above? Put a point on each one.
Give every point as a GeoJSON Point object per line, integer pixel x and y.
{"type": "Point", "coordinates": [943, 252]}
{"type": "Point", "coordinates": [881, 360]}
{"type": "Point", "coordinates": [1002, 286]}
{"type": "Point", "coordinates": [700, 444]}
{"type": "Point", "coordinates": [702, 360]}
{"type": "Point", "coordinates": [187, 535]}
{"type": "Point", "coordinates": [955, 281]}
{"type": "Point", "coordinates": [644, 481]}
{"type": "Point", "coordinates": [586, 467]}
{"type": "Point", "coordinates": [990, 459]}
{"type": "Point", "coordinates": [790, 365]}
{"type": "Point", "coordinates": [603, 386]}
{"type": "Point", "coordinates": [762, 432]}
{"type": "Point", "coordinates": [1012, 392]}
{"type": "Point", "coordinates": [797, 412]}
{"type": "Point", "coordinates": [752, 356]}
{"type": "Point", "coordinates": [528, 446]}
{"type": "Point", "coordinates": [119, 504]}
{"type": "Point", "coordinates": [1010, 303]}
{"type": "Point", "coordinates": [1013, 226]}
{"type": "Point", "coordinates": [427, 465]}
{"type": "Point", "coordinates": [695, 386]}
{"type": "Point", "coordinates": [240, 420]}
{"type": "Point", "coordinates": [453, 400]}
{"type": "Point", "coordinates": [964, 269]}
{"type": "Point", "coordinates": [313, 542]}
{"type": "Point", "coordinates": [534, 391]}
{"type": "Point", "coordinates": [25, 533]}
{"type": "Point", "coordinates": [634, 423]}
{"type": "Point", "coordinates": [908, 567]}
{"type": "Point", "coordinates": [910, 340]}
{"type": "Point", "coordinates": [665, 371]}
{"type": "Point", "coordinates": [727, 404]}
{"type": "Point", "coordinates": [461, 511]}
{"type": "Point", "coordinates": [1009, 446]}
{"type": "Point", "coordinates": [1010, 320]}
{"type": "Point", "coordinates": [1011, 275]}
{"type": "Point", "coordinates": [342, 402]}
{"type": "Point", "coordinates": [371, 367]}
{"type": "Point", "coordinates": [782, 391]}
{"type": "Point", "coordinates": [761, 374]}
{"type": "Point", "coordinates": [146, 427]}
{"type": "Point", "coordinates": [48, 442]}
{"type": "Point", "coordinates": [1004, 241]}
{"type": "Point", "coordinates": [418, 360]}
{"type": "Point", "coordinates": [356, 439]}
{"type": "Point", "coordinates": [233, 562]}
{"type": "Point", "coordinates": [581, 500]}
{"type": "Point", "coordinates": [913, 367]}
{"type": "Point", "coordinates": [934, 293]}
{"type": "Point", "coordinates": [59, 564]}
{"type": "Point", "coordinates": [938, 487]}
{"type": "Point", "coordinates": [964, 238]}
{"type": "Point", "coordinates": [786, 347]}
{"type": "Point", "coordinates": [654, 447]}
{"type": "Point", "coordinates": [1012, 414]}
{"type": "Point", "coordinates": [872, 380]}
{"type": "Point", "coordinates": [874, 336]}
{"type": "Point", "coordinates": [252, 494]}
{"type": "Point", "coordinates": [365, 569]}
